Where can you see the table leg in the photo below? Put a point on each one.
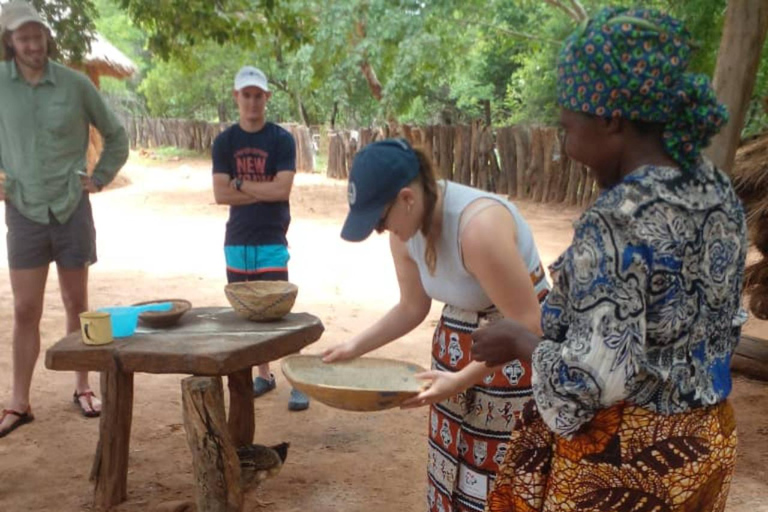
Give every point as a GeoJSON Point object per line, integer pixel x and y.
{"type": "Point", "coordinates": [214, 460]}
{"type": "Point", "coordinates": [241, 411]}
{"type": "Point", "coordinates": [110, 466]}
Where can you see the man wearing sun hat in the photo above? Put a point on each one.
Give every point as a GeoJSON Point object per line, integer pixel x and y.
{"type": "Point", "coordinates": [254, 162]}
{"type": "Point", "coordinates": [46, 112]}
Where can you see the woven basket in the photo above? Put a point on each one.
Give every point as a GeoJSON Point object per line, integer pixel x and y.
{"type": "Point", "coordinates": [261, 301]}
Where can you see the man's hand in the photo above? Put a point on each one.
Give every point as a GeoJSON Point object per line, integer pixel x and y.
{"type": "Point", "coordinates": [90, 184]}
{"type": "Point", "coordinates": [502, 342]}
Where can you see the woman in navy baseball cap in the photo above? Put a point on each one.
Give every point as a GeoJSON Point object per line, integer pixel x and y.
{"type": "Point", "coordinates": [472, 251]}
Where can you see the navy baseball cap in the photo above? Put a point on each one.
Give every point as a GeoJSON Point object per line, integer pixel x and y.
{"type": "Point", "coordinates": [380, 170]}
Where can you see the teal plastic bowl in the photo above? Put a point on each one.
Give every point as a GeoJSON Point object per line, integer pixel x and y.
{"type": "Point", "coordinates": [124, 320]}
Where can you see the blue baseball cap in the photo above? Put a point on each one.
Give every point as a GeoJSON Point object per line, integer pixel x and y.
{"type": "Point", "coordinates": [380, 170]}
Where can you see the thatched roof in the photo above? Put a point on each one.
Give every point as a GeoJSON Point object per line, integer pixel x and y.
{"type": "Point", "coordinates": [750, 175]}
{"type": "Point", "coordinates": [106, 60]}
{"type": "Point", "coordinates": [750, 178]}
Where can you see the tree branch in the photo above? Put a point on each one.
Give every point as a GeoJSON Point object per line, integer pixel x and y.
{"type": "Point", "coordinates": [365, 66]}
{"type": "Point", "coordinates": [513, 33]}
{"type": "Point", "coordinates": [579, 10]}
{"type": "Point", "coordinates": [559, 5]}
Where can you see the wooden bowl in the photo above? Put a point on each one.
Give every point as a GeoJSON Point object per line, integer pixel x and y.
{"type": "Point", "coordinates": [362, 384]}
{"type": "Point", "coordinates": [162, 319]}
{"type": "Point", "coordinates": [261, 301]}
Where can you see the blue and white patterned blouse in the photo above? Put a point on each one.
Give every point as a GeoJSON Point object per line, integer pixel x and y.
{"type": "Point", "coordinates": [646, 301]}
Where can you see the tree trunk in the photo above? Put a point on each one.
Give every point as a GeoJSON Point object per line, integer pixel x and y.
{"type": "Point", "coordinates": [746, 23]}
{"type": "Point", "coordinates": [304, 114]}
{"type": "Point", "coordinates": [487, 111]}
{"type": "Point", "coordinates": [222, 108]}
{"type": "Point", "coordinates": [334, 112]}
{"type": "Point", "coordinates": [214, 459]}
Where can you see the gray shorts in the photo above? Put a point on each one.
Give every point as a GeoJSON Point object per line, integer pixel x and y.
{"type": "Point", "coordinates": [70, 245]}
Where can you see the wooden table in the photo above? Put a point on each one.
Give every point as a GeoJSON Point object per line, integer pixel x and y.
{"type": "Point", "coordinates": [206, 342]}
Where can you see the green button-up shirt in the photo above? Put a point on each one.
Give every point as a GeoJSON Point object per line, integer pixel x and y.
{"type": "Point", "coordinates": [44, 139]}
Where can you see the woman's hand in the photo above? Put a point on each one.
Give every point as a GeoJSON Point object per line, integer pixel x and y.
{"type": "Point", "coordinates": [341, 352]}
{"type": "Point", "coordinates": [502, 342]}
{"type": "Point", "coordinates": [438, 386]}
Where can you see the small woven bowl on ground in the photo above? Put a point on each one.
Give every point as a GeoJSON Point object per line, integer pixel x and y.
{"type": "Point", "coordinates": [162, 319]}
{"type": "Point", "coordinates": [262, 301]}
{"type": "Point", "coordinates": [362, 384]}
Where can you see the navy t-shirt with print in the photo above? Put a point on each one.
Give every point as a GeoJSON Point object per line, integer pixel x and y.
{"type": "Point", "coordinates": [255, 156]}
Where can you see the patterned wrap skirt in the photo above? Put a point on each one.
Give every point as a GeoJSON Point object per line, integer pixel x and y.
{"type": "Point", "coordinates": [627, 459]}
{"type": "Point", "coordinates": [469, 433]}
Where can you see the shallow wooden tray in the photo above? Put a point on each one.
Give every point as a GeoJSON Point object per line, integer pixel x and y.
{"type": "Point", "coordinates": [362, 384]}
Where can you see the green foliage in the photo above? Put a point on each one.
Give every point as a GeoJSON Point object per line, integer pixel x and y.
{"type": "Point", "coordinates": [446, 61]}
{"type": "Point", "coordinates": [72, 24]}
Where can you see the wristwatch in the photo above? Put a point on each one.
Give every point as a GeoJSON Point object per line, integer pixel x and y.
{"type": "Point", "coordinates": [238, 184]}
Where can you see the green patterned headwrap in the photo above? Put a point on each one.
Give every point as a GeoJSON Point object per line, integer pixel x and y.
{"type": "Point", "coordinates": [631, 63]}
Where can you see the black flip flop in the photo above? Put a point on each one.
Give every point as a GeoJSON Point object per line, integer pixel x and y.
{"type": "Point", "coordinates": [24, 418]}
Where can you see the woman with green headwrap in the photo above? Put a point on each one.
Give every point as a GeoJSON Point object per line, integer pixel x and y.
{"type": "Point", "coordinates": [632, 376]}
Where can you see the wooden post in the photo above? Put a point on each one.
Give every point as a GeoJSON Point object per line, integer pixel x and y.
{"type": "Point", "coordinates": [562, 170]}
{"type": "Point", "coordinates": [574, 181]}
{"type": "Point", "coordinates": [549, 136]}
{"type": "Point", "coordinates": [505, 141]}
{"type": "Point", "coordinates": [407, 133]}
{"type": "Point", "coordinates": [429, 141]}
{"type": "Point", "coordinates": [474, 144]}
{"type": "Point", "coordinates": [462, 168]}
{"type": "Point", "coordinates": [487, 165]}
{"type": "Point", "coordinates": [110, 466]}
{"type": "Point", "coordinates": [746, 24]}
{"type": "Point", "coordinates": [535, 173]}
{"type": "Point", "coordinates": [337, 164]}
{"type": "Point", "coordinates": [241, 411]}
{"type": "Point", "coordinates": [521, 150]}
{"type": "Point", "coordinates": [446, 152]}
{"type": "Point", "coordinates": [214, 459]}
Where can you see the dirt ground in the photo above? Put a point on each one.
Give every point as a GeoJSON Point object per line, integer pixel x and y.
{"type": "Point", "coordinates": [161, 236]}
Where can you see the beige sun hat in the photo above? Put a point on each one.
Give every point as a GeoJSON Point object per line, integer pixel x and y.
{"type": "Point", "coordinates": [17, 13]}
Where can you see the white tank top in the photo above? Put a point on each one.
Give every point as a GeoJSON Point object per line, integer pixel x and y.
{"type": "Point", "coordinates": [451, 283]}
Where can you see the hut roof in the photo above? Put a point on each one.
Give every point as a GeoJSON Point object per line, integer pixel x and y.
{"type": "Point", "coordinates": [106, 60]}
{"type": "Point", "coordinates": [750, 175]}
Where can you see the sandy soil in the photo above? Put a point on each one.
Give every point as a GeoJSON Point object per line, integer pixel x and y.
{"type": "Point", "coordinates": [161, 236]}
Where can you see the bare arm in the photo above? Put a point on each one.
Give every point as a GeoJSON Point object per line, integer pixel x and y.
{"type": "Point", "coordinates": [489, 245]}
{"type": "Point", "coordinates": [278, 189]}
{"type": "Point", "coordinates": [491, 255]}
{"type": "Point", "coordinates": [405, 316]}
{"type": "Point", "coordinates": [225, 194]}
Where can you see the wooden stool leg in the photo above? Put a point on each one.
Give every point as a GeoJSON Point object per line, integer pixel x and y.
{"type": "Point", "coordinates": [214, 459]}
{"type": "Point", "coordinates": [241, 411]}
{"type": "Point", "coordinates": [110, 466]}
